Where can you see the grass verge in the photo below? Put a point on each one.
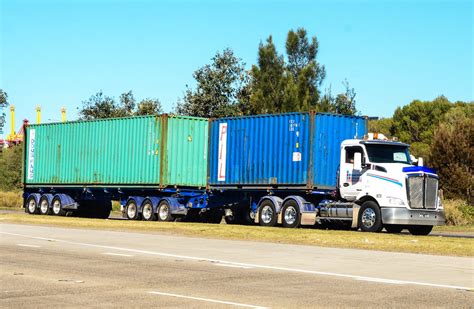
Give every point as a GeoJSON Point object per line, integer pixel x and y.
{"type": "Point", "coordinates": [11, 199]}
{"type": "Point", "coordinates": [304, 236]}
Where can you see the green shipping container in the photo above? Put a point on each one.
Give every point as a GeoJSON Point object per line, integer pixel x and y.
{"type": "Point", "coordinates": [157, 151]}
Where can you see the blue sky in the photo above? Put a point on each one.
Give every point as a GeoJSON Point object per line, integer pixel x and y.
{"type": "Point", "coordinates": [59, 53]}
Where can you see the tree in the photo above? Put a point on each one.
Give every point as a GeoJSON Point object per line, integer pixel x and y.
{"type": "Point", "coordinates": [345, 102]}
{"type": "Point", "coordinates": [10, 173]}
{"type": "Point", "coordinates": [381, 125]}
{"type": "Point", "coordinates": [268, 81]}
{"type": "Point", "coordinates": [3, 104]}
{"type": "Point", "coordinates": [149, 107]}
{"type": "Point", "coordinates": [219, 88]}
{"type": "Point", "coordinates": [302, 64]}
{"type": "Point", "coordinates": [101, 106]}
{"type": "Point", "coordinates": [415, 123]}
{"type": "Point", "coordinates": [452, 152]}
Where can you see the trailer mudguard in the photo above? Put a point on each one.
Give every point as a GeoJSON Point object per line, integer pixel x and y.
{"type": "Point", "coordinates": [277, 202]}
{"type": "Point", "coordinates": [176, 207]}
{"type": "Point", "coordinates": [307, 210]}
{"type": "Point", "coordinates": [67, 202]}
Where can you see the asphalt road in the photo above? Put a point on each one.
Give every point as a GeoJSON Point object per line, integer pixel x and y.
{"type": "Point", "coordinates": [46, 267]}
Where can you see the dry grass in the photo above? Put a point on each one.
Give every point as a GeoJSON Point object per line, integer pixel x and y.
{"type": "Point", "coordinates": [303, 236]}
{"type": "Point", "coordinates": [11, 199]}
{"type": "Point", "coordinates": [458, 212]}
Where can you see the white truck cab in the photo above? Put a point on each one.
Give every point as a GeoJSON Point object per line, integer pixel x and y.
{"type": "Point", "coordinates": [390, 191]}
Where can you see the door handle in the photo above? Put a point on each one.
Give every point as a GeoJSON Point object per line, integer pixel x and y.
{"type": "Point", "coordinates": [346, 184]}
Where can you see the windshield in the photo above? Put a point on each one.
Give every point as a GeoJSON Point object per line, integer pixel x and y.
{"type": "Point", "coordinates": [379, 153]}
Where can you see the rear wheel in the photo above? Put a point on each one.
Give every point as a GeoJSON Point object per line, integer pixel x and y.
{"type": "Point", "coordinates": [57, 207]}
{"type": "Point", "coordinates": [370, 217]}
{"type": "Point", "coordinates": [290, 214]}
{"type": "Point", "coordinates": [214, 216]}
{"type": "Point", "coordinates": [31, 205]}
{"type": "Point", "coordinates": [267, 214]}
{"type": "Point", "coordinates": [147, 212]}
{"type": "Point", "coordinates": [164, 211]}
{"type": "Point", "coordinates": [131, 210]}
{"type": "Point", "coordinates": [422, 230]}
{"type": "Point", "coordinates": [394, 229]}
{"type": "Point", "coordinates": [44, 206]}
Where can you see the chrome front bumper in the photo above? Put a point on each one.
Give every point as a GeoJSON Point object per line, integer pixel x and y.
{"type": "Point", "coordinates": [404, 216]}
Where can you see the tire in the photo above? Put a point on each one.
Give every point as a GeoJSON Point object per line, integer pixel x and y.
{"type": "Point", "coordinates": [131, 210]}
{"type": "Point", "coordinates": [31, 205]}
{"type": "Point", "coordinates": [44, 207]}
{"type": "Point", "coordinates": [234, 219]}
{"type": "Point", "coordinates": [370, 217]}
{"type": "Point", "coordinates": [421, 230]}
{"type": "Point", "coordinates": [147, 212]}
{"type": "Point", "coordinates": [267, 215]}
{"type": "Point", "coordinates": [393, 228]}
{"type": "Point", "coordinates": [291, 216]}
{"type": "Point", "coordinates": [214, 216]}
{"type": "Point", "coordinates": [164, 212]}
{"type": "Point", "coordinates": [57, 207]}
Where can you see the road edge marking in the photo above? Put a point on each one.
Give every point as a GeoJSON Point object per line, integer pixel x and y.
{"type": "Point", "coordinates": [206, 300]}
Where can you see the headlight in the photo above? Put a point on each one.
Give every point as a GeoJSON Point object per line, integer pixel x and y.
{"type": "Point", "coordinates": [440, 205]}
{"type": "Point", "coordinates": [395, 201]}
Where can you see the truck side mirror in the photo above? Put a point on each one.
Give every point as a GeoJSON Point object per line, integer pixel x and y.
{"type": "Point", "coordinates": [358, 161]}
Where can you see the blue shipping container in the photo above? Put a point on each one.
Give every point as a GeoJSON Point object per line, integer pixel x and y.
{"type": "Point", "coordinates": [294, 150]}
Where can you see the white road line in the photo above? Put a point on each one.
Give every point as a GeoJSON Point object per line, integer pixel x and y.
{"type": "Point", "coordinates": [232, 265]}
{"type": "Point", "coordinates": [207, 300]}
{"type": "Point", "coordinates": [117, 254]}
{"type": "Point", "coordinates": [30, 246]}
{"type": "Point", "coordinates": [381, 280]}
{"type": "Point", "coordinates": [312, 272]}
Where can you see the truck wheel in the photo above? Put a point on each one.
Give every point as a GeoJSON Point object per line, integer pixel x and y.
{"type": "Point", "coordinates": [147, 212]}
{"type": "Point", "coordinates": [31, 205]}
{"type": "Point", "coordinates": [370, 218]}
{"type": "Point", "coordinates": [44, 206]}
{"type": "Point", "coordinates": [58, 207]}
{"type": "Point", "coordinates": [290, 214]}
{"type": "Point", "coordinates": [267, 214]}
{"type": "Point", "coordinates": [393, 228]}
{"type": "Point", "coordinates": [131, 210]}
{"type": "Point", "coordinates": [420, 229]}
{"type": "Point", "coordinates": [214, 216]}
{"type": "Point", "coordinates": [164, 211]}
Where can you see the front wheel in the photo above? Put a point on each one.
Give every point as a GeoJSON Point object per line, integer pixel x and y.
{"type": "Point", "coordinates": [421, 230]}
{"type": "Point", "coordinates": [370, 217]}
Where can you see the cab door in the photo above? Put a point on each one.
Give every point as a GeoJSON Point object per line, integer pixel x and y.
{"type": "Point", "coordinates": [349, 177]}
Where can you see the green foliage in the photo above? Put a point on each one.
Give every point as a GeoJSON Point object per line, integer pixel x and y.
{"type": "Point", "coordinates": [415, 123]}
{"type": "Point", "coordinates": [381, 125]}
{"type": "Point", "coordinates": [220, 90]}
{"type": "Point", "coordinates": [102, 106]}
{"type": "Point", "coordinates": [458, 212]}
{"type": "Point", "coordinates": [10, 168]}
{"type": "Point", "coordinates": [278, 87]}
{"type": "Point", "coordinates": [3, 104]}
{"type": "Point", "coordinates": [452, 152]}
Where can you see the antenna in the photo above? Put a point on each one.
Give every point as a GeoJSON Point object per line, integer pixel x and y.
{"type": "Point", "coordinates": [38, 114]}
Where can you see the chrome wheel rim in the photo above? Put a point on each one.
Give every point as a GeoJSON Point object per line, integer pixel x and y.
{"type": "Point", "coordinates": [31, 206]}
{"type": "Point", "coordinates": [147, 211]}
{"type": "Point", "coordinates": [131, 210]}
{"type": "Point", "coordinates": [163, 213]}
{"type": "Point", "coordinates": [267, 214]}
{"type": "Point", "coordinates": [368, 217]}
{"type": "Point", "coordinates": [56, 207]}
{"type": "Point", "coordinates": [290, 215]}
{"type": "Point", "coordinates": [44, 206]}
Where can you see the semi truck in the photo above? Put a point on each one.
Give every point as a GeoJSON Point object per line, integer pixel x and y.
{"type": "Point", "coordinates": [290, 170]}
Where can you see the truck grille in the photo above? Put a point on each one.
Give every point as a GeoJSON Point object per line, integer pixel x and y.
{"type": "Point", "coordinates": [422, 191]}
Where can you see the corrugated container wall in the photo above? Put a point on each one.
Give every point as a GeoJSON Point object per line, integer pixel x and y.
{"type": "Point", "coordinates": [299, 150]}
{"type": "Point", "coordinates": [130, 151]}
